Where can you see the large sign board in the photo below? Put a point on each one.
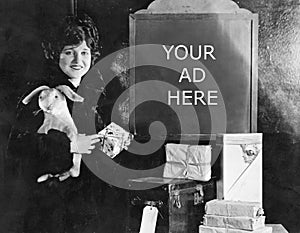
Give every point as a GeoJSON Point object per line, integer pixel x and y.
{"type": "Point", "coordinates": [201, 63]}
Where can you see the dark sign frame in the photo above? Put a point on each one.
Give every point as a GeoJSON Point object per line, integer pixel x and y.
{"type": "Point", "coordinates": [138, 29]}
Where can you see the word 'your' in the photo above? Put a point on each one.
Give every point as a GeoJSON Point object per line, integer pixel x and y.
{"type": "Point", "coordinates": [181, 52]}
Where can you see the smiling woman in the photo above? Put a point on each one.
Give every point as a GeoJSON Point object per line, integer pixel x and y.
{"type": "Point", "coordinates": [71, 32]}
{"type": "Point", "coordinates": [71, 48]}
{"type": "Point", "coordinates": [75, 61]}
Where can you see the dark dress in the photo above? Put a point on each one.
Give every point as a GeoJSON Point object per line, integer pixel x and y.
{"type": "Point", "coordinates": [73, 205]}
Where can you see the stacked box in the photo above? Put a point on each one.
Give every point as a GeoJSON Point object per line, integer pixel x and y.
{"type": "Point", "coordinates": [234, 208]}
{"type": "Point", "coordinates": [207, 229]}
{"type": "Point", "coordinates": [233, 217]}
{"type": "Point", "coordinates": [244, 223]}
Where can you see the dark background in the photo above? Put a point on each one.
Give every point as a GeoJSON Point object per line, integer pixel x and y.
{"type": "Point", "coordinates": [21, 60]}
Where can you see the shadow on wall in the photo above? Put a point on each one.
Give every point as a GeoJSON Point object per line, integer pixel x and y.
{"type": "Point", "coordinates": [279, 113]}
{"type": "Point", "coordinates": [279, 108]}
{"type": "Point", "coordinates": [281, 182]}
{"type": "Point", "coordinates": [281, 158]}
{"type": "Point", "coordinates": [279, 66]}
{"type": "Point", "coordinates": [281, 162]}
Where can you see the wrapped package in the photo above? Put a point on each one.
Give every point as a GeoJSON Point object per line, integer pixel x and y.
{"type": "Point", "coordinates": [188, 162]}
{"type": "Point", "coordinates": [114, 139]}
{"type": "Point", "coordinates": [241, 167]}
{"type": "Point", "coordinates": [206, 229]}
{"type": "Point", "coordinates": [233, 208]}
{"type": "Point", "coordinates": [243, 223]}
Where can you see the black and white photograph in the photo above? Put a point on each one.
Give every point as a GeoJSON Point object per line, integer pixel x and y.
{"type": "Point", "coordinates": [149, 116]}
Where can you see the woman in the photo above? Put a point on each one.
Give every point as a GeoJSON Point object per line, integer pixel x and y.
{"type": "Point", "coordinates": [53, 206]}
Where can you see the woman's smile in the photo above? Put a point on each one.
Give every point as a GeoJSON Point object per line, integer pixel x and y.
{"type": "Point", "coordinates": [75, 61]}
{"type": "Point", "coordinates": [76, 67]}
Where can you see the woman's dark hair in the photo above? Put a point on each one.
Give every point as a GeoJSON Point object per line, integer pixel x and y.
{"type": "Point", "coordinates": [72, 30]}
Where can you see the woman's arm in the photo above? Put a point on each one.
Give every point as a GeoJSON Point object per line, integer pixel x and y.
{"type": "Point", "coordinates": [31, 154]}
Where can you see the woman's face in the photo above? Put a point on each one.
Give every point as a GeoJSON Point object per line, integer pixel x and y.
{"type": "Point", "coordinates": [75, 60]}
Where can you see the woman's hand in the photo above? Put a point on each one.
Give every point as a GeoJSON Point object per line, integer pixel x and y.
{"type": "Point", "coordinates": [84, 144]}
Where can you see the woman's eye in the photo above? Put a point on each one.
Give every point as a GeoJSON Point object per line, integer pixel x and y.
{"type": "Point", "coordinates": [68, 52]}
{"type": "Point", "coordinates": [85, 53]}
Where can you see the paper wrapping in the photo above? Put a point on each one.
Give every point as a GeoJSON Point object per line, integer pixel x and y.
{"type": "Point", "coordinates": [233, 208]}
{"type": "Point", "coordinates": [243, 223]}
{"type": "Point", "coordinates": [188, 162]}
{"type": "Point", "coordinates": [241, 167]}
{"type": "Point", "coordinates": [114, 139]}
{"type": "Point", "coordinates": [206, 229]}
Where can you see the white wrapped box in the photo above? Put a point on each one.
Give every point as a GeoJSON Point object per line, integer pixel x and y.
{"type": "Point", "coordinates": [243, 223]}
{"type": "Point", "coordinates": [233, 208]}
{"type": "Point", "coordinates": [114, 139]}
{"type": "Point", "coordinates": [206, 229]}
{"type": "Point", "coordinates": [188, 161]}
{"type": "Point", "coordinates": [241, 167]}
